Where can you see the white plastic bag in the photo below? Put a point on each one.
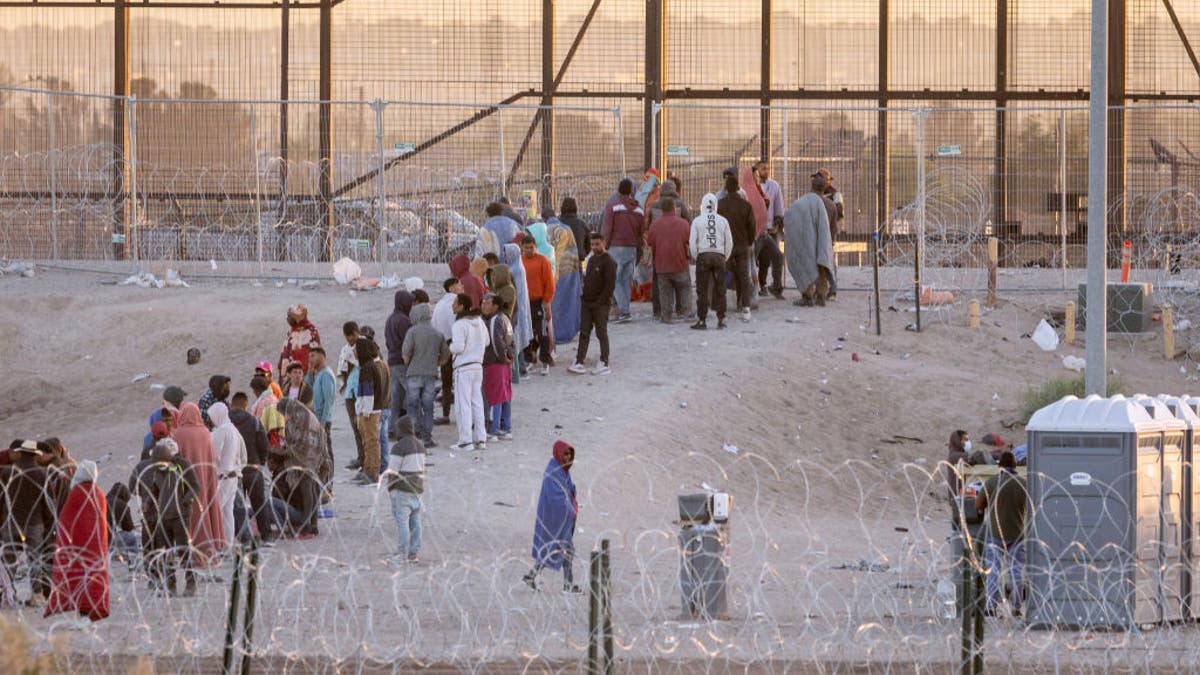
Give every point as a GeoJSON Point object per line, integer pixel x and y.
{"type": "Point", "coordinates": [345, 271]}
{"type": "Point", "coordinates": [1074, 363]}
{"type": "Point", "coordinates": [1045, 337]}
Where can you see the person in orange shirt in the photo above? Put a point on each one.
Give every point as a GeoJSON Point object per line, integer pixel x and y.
{"type": "Point", "coordinates": [539, 279]}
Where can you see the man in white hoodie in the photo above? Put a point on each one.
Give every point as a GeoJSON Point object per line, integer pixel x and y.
{"type": "Point", "coordinates": [710, 245]}
{"type": "Point", "coordinates": [469, 337]}
{"type": "Point", "coordinates": [229, 449]}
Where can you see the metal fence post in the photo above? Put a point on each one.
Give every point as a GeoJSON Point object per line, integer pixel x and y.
{"type": "Point", "coordinates": [251, 605]}
{"type": "Point", "coordinates": [919, 240]}
{"type": "Point", "coordinates": [500, 142]}
{"type": "Point", "coordinates": [620, 140]}
{"type": "Point", "coordinates": [1062, 181]}
{"type": "Point", "coordinates": [380, 213]}
{"type": "Point", "coordinates": [653, 131]}
{"type": "Point", "coordinates": [258, 216]}
{"type": "Point", "coordinates": [235, 589]}
{"type": "Point", "coordinates": [786, 159]}
{"type": "Point", "coordinates": [53, 177]}
{"type": "Point", "coordinates": [132, 236]}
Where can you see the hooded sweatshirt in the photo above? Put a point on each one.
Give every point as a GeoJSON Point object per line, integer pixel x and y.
{"type": "Point", "coordinates": [667, 189]}
{"type": "Point", "coordinates": [502, 286]}
{"type": "Point", "coordinates": [628, 222]}
{"type": "Point", "coordinates": [710, 231]}
{"type": "Point", "coordinates": [740, 215]}
{"type": "Point", "coordinates": [254, 437]}
{"type": "Point", "coordinates": [424, 348]}
{"type": "Point", "coordinates": [460, 267]}
{"type": "Point", "coordinates": [229, 447]}
{"type": "Point", "coordinates": [669, 238]}
{"type": "Point", "coordinates": [407, 475]}
{"type": "Point", "coordinates": [469, 341]}
{"type": "Point", "coordinates": [397, 327]}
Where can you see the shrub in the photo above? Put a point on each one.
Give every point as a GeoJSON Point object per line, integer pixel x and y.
{"type": "Point", "coordinates": [1036, 398]}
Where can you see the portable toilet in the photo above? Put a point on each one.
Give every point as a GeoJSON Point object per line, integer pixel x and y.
{"type": "Point", "coordinates": [1174, 519]}
{"type": "Point", "coordinates": [1095, 536]}
{"type": "Point", "coordinates": [1187, 409]}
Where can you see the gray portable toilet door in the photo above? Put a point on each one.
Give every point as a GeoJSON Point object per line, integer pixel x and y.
{"type": "Point", "coordinates": [1172, 525]}
{"type": "Point", "coordinates": [1147, 485]}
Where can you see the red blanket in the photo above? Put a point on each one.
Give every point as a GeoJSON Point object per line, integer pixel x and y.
{"type": "Point", "coordinates": [80, 579]}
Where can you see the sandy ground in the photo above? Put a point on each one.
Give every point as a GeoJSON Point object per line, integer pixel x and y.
{"type": "Point", "coordinates": [821, 478]}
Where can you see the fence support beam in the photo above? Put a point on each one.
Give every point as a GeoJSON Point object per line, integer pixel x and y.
{"type": "Point", "coordinates": [120, 139]}
{"type": "Point", "coordinates": [764, 83]}
{"type": "Point", "coordinates": [1096, 354]}
{"type": "Point", "coordinates": [881, 159]}
{"type": "Point", "coordinates": [547, 112]}
{"type": "Point", "coordinates": [284, 76]}
{"type": "Point", "coordinates": [325, 124]}
{"type": "Point", "coordinates": [1116, 120]}
{"type": "Point", "coordinates": [654, 83]}
{"type": "Point", "coordinates": [1000, 169]}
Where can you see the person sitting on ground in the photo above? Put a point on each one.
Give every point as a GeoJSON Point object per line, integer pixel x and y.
{"type": "Point", "coordinates": [303, 454]}
{"type": "Point", "coordinates": [32, 518]}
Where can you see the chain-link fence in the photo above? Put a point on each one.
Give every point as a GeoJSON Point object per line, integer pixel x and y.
{"type": "Point", "coordinates": [196, 179]}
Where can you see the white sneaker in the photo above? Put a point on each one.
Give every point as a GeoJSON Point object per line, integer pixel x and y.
{"type": "Point", "coordinates": [602, 369]}
{"type": "Point", "coordinates": [506, 436]}
{"type": "Point", "coordinates": [492, 438]}
{"type": "Point", "coordinates": [481, 446]}
{"type": "Point", "coordinates": [577, 368]}
{"type": "Point", "coordinates": [545, 369]}
{"type": "Point", "coordinates": [746, 315]}
{"type": "Point", "coordinates": [462, 446]}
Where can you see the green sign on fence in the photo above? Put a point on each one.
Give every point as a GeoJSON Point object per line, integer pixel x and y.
{"type": "Point", "coordinates": [949, 150]}
{"type": "Point", "coordinates": [404, 148]}
{"type": "Point", "coordinates": [359, 243]}
{"type": "Point", "coordinates": [678, 151]}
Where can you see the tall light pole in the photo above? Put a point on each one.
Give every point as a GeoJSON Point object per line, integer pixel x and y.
{"type": "Point", "coordinates": [1096, 372]}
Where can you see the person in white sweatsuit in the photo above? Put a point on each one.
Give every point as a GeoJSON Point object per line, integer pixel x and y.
{"type": "Point", "coordinates": [469, 337]}
{"type": "Point", "coordinates": [229, 449]}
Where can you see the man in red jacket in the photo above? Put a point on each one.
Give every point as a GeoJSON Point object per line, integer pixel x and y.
{"type": "Point", "coordinates": [668, 239]}
{"type": "Point", "coordinates": [623, 230]}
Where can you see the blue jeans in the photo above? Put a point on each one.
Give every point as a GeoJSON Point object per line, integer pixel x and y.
{"type": "Point", "coordinates": [626, 257]}
{"type": "Point", "coordinates": [421, 392]}
{"type": "Point", "coordinates": [501, 418]}
{"type": "Point", "coordinates": [399, 400]}
{"type": "Point", "coordinates": [1010, 556]}
{"type": "Point", "coordinates": [385, 421]}
{"type": "Point", "coordinates": [406, 509]}
{"type": "Point", "coordinates": [286, 516]}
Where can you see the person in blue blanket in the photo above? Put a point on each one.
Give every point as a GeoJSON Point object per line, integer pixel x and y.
{"type": "Point", "coordinates": [554, 532]}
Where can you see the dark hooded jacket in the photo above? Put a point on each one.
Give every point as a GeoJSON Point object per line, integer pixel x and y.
{"type": "Point", "coordinates": [257, 445]}
{"type": "Point", "coordinates": [668, 190]}
{"type": "Point", "coordinates": [502, 287]}
{"type": "Point", "coordinates": [570, 218]}
{"type": "Point", "coordinates": [407, 474]}
{"type": "Point", "coordinates": [740, 215]}
{"type": "Point", "coordinates": [460, 267]}
{"type": "Point", "coordinates": [397, 327]}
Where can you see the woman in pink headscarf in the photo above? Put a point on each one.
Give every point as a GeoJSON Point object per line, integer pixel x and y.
{"type": "Point", "coordinates": [195, 445]}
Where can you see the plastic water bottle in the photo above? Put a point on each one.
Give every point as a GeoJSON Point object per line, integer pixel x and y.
{"type": "Point", "coordinates": [947, 601]}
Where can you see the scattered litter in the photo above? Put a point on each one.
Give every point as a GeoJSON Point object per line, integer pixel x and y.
{"type": "Point", "coordinates": [390, 281]}
{"type": "Point", "coordinates": [598, 419]}
{"type": "Point", "coordinates": [996, 397]}
{"type": "Point", "coordinates": [87, 357]}
{"type": "Point", "coordinates": [1182, 370]}
{"type": "Point", "coordinates": [912, 328]}
{"type": "Point", "coordinates": [864, 566]}
{"type": "Point", "coordinates": [854, 357]}
{"type": "Point", "coordinates": [920, 460]}
{"type": "Point", "coordinates": [278, 284]}
{"type": "Point", "coordinates": [365, 283]}
{"type": "Point", "coordinates": [683, 404]}
{"type": "Point", "coordinates": [826, 392]}
{"type": "Point", "coordinates": [930, 297]}
{"type": "Point", "coordinates": [731, 449]}
{"type": "Point", "coordinates": [141, 376]}
{"type": "Point", "coordinates": [193, 356]}
{"type": "Point", "coordinates": [1045, 337]}
{"type": "Point", "coordinates": [143, 280]}
{"type": "Point", "coordinates": [346, 270]}
{"type": "Point", "coordinates": [901, 529]}
{"type": "Point", "coordinates": [511, 506]}
{"type": "Point", "coordinates": [794, 319]}
{"type": "Point", "coordinates": [213, 263]}
{"type": "Point", "coordinates": [1074, 363]}
{"type": "Point", "coordinates": [824, 380]}
{"type": "Point", "coordinates": [157, 385]}
{"type": "Point", "coordinates": [841, 339]}
{"type": "Point", "coordinates": [838, 348]}
{"type": "Point", "coordinates": [293, 281]}
{"type": "Point", "coordinates": [174, 280]}
{"type": "Point", "coordinates": [310, 285]}
{"type": "Point", "coordinates": [906, 356]}
{"type": "Point", "coordinates": [257, 284]}
{"type": "Point", "coordinates": [413, 284]}
{"type": "Point", "coordinates": [17, 268]}
{"type": "Point", "coordinates": [1183, 325]}
{"type": "Point", "coordinates": [706, 486]}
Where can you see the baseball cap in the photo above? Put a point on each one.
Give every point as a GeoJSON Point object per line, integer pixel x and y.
{"type": "Point", "coordinates": [264, 366]}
